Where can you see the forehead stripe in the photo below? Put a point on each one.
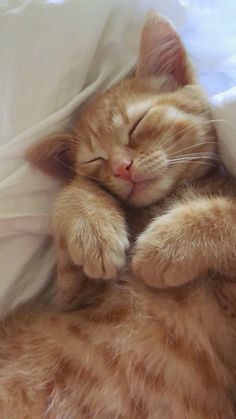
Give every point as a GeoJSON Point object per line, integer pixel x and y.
{"type": "Point", "coordinates": [135, 109]}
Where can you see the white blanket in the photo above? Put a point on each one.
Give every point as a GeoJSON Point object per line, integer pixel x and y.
{"type": "Point", "coordinates": [56, 53]}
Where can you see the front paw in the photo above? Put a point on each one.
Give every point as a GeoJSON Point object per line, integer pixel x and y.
{"type": "Point", "coordinates": [99, 246]}
{"type": "Point", "coordinates": [161, 258]}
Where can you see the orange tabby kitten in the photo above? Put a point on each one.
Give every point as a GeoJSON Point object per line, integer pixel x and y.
{"type": "Point", "coordinates": [159, 341]}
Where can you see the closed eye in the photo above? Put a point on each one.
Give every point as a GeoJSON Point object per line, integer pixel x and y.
{"type": "Point", "coordinates": [93, 160]}
{"type": "Point", "coordinates": [135, 125]}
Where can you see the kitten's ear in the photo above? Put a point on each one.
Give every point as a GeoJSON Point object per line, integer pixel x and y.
{"type": "Point", "coordinates": [55, 156]}
{"type": "Point", "coordinates": [162, 52]}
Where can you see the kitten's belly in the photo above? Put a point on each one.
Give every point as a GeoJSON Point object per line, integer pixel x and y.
{"type": "Point", "coordinates": [143, 355]}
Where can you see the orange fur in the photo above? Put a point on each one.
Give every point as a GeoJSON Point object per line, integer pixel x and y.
{"type": "Point", "coordinates": [158, 341]}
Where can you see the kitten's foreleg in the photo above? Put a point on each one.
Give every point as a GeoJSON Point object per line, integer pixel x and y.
{"type": "Point", "coordinates": [184, 244]}
{"type": "Point", "coordinates": [90, 226]}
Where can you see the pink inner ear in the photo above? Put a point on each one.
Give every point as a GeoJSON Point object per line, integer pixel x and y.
{"type": "Point", "coordinates": [172, 61]}
{"type": "Point", "coordinates": [54, 156]}
{"type": "Point", "coordinates": [161, 51]}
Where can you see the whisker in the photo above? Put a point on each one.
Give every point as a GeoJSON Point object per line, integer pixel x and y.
{"type": "Point", "coordinates": [76, 141]}
{"type": "Point", "coordinates": [188, 129]}
{"type": "Point", "coordinates": [186, 135]}
{"type": "Point", "coordinates": [73, 169]}
{"type": "Point", "coordinates": [192, 162]}
{"type": "Point", "coordinates": [196, 156]}
{"type": "Point", "coordinates": [193, 146]}
{"type": "Point", "coordinates": [189, 159]}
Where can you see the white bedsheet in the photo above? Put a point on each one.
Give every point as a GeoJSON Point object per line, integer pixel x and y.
{"type": "Point", "coordinates": [56, 53]}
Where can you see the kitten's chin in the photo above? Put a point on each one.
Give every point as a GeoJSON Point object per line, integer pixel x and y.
{"type": "Point", "coordinates": [147, 193]}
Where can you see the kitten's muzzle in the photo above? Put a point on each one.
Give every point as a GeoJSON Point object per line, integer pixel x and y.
{"type": "Point", "coordinates": [122, 170]}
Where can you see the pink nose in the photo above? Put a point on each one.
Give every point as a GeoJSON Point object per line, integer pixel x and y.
{"type": "Point", "coordinates": [122, 170]}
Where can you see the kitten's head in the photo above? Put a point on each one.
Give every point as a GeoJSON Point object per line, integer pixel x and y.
{"type": "Point", "coordinates": [144, 136]}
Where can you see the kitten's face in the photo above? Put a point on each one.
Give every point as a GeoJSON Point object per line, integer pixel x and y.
{"type": "Point", "coordinates": [144, 136]}
{"type": "Point", "coordinates": [138, 140]}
